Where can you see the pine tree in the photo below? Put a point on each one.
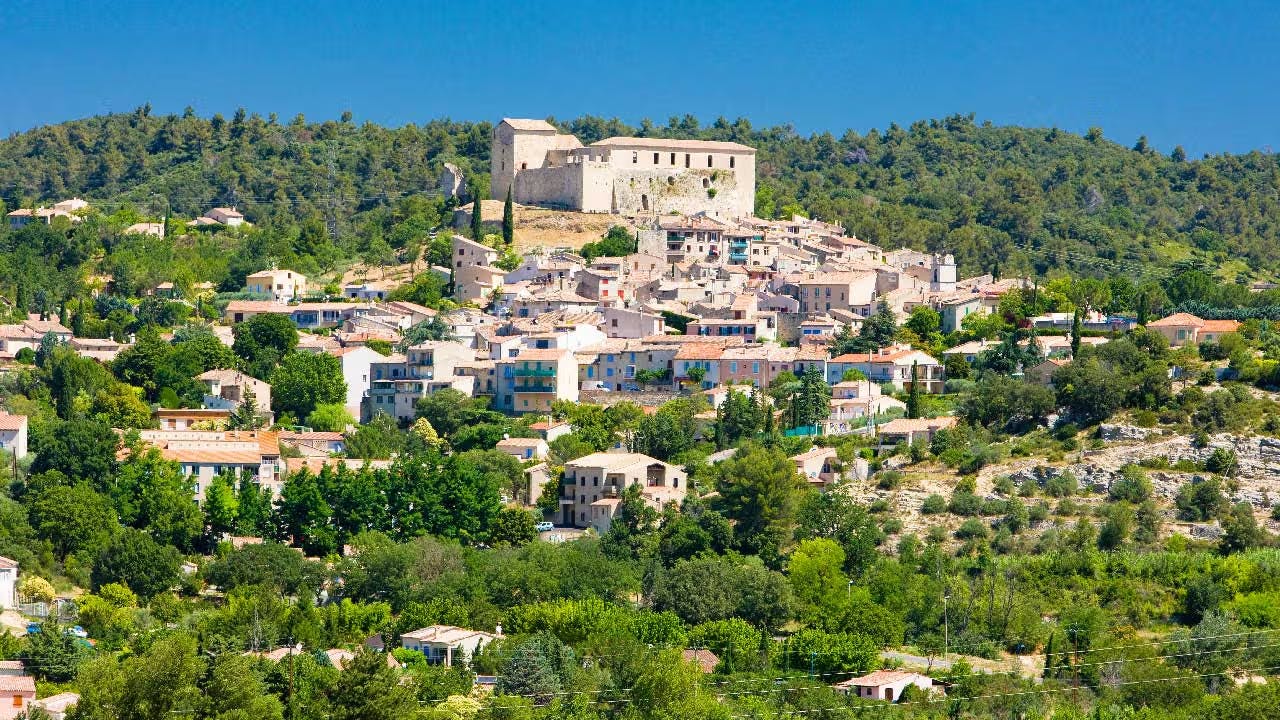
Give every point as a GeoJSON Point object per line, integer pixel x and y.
{"type": "Point", "coordinates": [245, 416]}
{"type": "Point", "coordinates": [913, 397]}
{"type": "Point", "coordinates": [508, 221]}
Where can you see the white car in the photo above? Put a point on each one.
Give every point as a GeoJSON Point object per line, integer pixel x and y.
{"type": "Point", "coordinates": [544, 526]}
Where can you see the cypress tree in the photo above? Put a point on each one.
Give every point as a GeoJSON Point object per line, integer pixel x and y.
{"type": "Point", "coordinates": [508, 221]}
{"type": "Point", "coordinates": [1075, 335]}
{"type": "Point", "coordinates": [913, 397]}
{"type": "Point", "coordinates": [1048, 657]}
{"type": "Point", "coordinates": [477, 227]}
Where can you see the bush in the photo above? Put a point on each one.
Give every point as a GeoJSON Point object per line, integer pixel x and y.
{"type": "Point", "coordinates": [892, 526]}
{"type": "Point", "coordinates": [1132, 485]}
{"type": "Point", "coordinates": [935, 504]}
{"type": "Point", "coordinates": [1222, 461]}
{"type": "Point", "coordinates": [965, 504]}
{"type": "Point", "coordinates": [888, 479]}
{"type": "Point", "coordinates": [879, 505]}
{"type": "Point", "coordinates": [972, 528]}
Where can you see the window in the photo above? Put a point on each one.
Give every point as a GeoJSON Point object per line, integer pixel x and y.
{"type": "Point", "coordinates": [687, 158]}
{"type": "Point", "coordinates": [709, 164]}
{"type": "Point", "coordinates": [755, 367]}
{"type": "Point", "coordinates": [524, 166]}
{"type": "Point", "coordinates": [655, 158]}
{"type": "Point", "coordinates": [731, 162]}
{"type": "Point", "coordinates": [635, 158]}
{"type": "Point", "coordinates": [614, 323]}
{"type": "Point", "coordinates": [733, 366]}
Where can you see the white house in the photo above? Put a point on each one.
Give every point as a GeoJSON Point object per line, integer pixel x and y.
{"type": "Point", "coordinates": [356, 363]}
{"type": "Point", "coordinates": [227, 216]}
{"type": "Point", "coordinates": [8, 583]}
{"type": "Point", "coordinates": [884, 685]}
{"type": "Point", "coordinates": [442, 643]}
{"type": "Point", "coordinates": [13, 434]}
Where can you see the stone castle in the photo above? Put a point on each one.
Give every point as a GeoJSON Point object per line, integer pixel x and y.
{"type": "Point", "coordinates": [622, 175]}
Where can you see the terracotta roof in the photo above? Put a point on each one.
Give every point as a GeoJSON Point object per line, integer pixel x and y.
{"type": "Point", "coordinates": [12, 422]}
{"type": "Point", "coordinates": [18, 684]}
{"type": "Point", "coordinates": [879, 677]}
{"type": "Point", "coordinates": [7, 563]}
{"type": "Point", "coordinates": [897, 354]}
{"type": "Point", "coordinates": [1178, 320]}
{"type": "Point", "coordinates": [542, 354]}
{"type": "Point", "coordinates": [700, 351]}
{"type": "Point", "coordinates": [1220, 326]}
{"type": "Point", "coordinates": [706, 660]}
{"type": "Point", "coordinates": [909, 425]}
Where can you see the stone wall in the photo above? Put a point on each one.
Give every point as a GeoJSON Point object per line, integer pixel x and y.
{"type": "Point", "coordinates": [685, 191]}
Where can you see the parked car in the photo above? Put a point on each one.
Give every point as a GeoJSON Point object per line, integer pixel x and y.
{"type": "Point", "coordinates": [544, 526]}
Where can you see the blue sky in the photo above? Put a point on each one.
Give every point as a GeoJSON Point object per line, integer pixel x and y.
{"type": "Point", "coordinates": [1197, 74]}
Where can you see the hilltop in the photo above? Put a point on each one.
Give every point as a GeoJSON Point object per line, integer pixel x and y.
{"type": "Point", "coordinates": [1000, 198]}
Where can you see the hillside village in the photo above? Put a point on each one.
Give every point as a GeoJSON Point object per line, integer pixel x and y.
{"type": "Point", "coordinates": [699, 398]}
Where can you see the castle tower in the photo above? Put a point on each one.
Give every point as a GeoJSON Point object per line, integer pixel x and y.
{"type": "Point", "coordinates": [518, 144]}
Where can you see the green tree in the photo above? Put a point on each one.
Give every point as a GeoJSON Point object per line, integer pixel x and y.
{"type": "Point", "coordinates": [508, 221]}
{"type": "Point", "coordinates": [54, 655]}
{"type": "Point", "coordinates": [513, 527]}
{"type": "Point", "coordinates": [305, 380]}
{"type": "Point", "coordinates": [330, 417]}
{"type": "Point", "coordinates": [262, 340]}
{"type": "Point", "coordinates": [133, 559]}
{"type": "Point", "coordinates": [477, 219]}
{"type": "Point", "coordinates": [759, 490]}
{"type": "Point", "coordinates": [74, 519]}
{"type": "Point", "coordinates": [913, 395]}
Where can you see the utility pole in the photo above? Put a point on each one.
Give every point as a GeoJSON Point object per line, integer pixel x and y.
{"type": "Point", "coordinates": [946, 627]}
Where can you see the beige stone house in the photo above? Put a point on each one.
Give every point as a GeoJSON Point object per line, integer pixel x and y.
{"type": "Point", "coordinates": [593, 486]}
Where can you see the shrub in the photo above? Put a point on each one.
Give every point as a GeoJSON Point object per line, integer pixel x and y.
{"type": "Point", "coordinates": [935, 504]}
{"type": "Point", "coordinates": [1064, 485]}
{"type": "Point", "coordinates": [971, 529]}
{"type": "Point", "coordinates": [965, 504]}
{"type": "Point", "coordinates": [892, 526]}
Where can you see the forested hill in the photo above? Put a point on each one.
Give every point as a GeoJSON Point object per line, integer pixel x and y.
{"type": "Point", "coordinates": [1001, 198]}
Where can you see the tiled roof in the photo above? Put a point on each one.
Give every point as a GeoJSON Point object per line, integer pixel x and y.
{"type": "Point", "coordinates": [910, 425]}
{"type": "Point", "coordinates": [17, 684]}
{"type": "Point", "coordinates": [12, 422]}
{"type": "Point", "coordinates": [1177, 320]}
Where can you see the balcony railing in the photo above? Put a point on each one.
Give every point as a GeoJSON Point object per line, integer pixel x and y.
{"type": "Point", "coordinates": [534, 372]}
{"type": "Point", "coordinates": [535, 389]}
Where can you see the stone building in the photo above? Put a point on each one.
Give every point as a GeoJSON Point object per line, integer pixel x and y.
{"type": "Point", "coordinates": [624, 175]}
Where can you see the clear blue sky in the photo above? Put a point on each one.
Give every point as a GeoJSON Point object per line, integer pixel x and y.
{"type": "Point", "coordinates": [1199, 74]}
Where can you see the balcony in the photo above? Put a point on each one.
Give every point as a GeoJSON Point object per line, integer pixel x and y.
{"type": "Point", "coordinates": [549, 389]}
{"type": "Point", "coordinates": [533, 372]}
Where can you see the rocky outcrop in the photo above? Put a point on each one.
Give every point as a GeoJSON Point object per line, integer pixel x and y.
{"type": "Point", "coordinates": [1124, 433]}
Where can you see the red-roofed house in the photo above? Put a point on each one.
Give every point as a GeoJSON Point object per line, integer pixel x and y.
{"type": "Point", "coordinates": [890, 365]}
{"type": "Point", "coordinates": [884, 684]}
{"type": "Point", "coordinates": [907, 431]}
{"type": "Point", "coordinates": [1187, 329]}
{"type": "Point", "coordinates": [13, 434]}
{"type": "Point", "coordinates": [16, 694]}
